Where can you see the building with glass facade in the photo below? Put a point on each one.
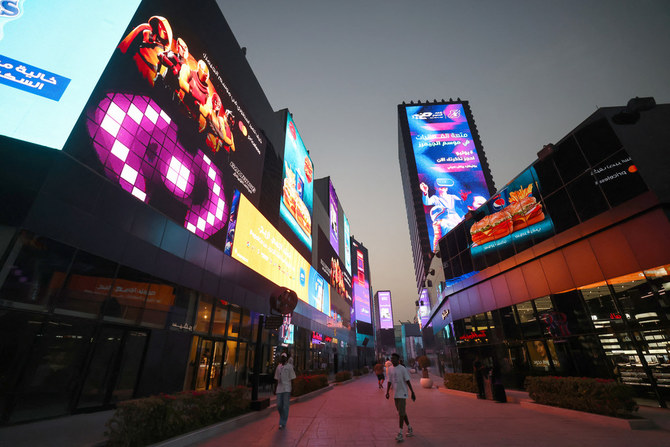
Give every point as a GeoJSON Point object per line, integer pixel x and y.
{"type": "Point", "coordinates": [566, 270]}
{"type": "Point", "coordinates": [140, 245]}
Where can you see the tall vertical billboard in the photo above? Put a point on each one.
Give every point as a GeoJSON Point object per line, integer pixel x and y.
{"type": "Point", "coordinates": [385, 309]}
{"type": "Point", "coordinates": [333, 207]}
{"type": "Point", "coordinates": [450, 175]}
{"type": "Point", "coordinates": [423, 313]}
{"type": "Point", "coordinates": [297, 185]}
{"type": "Point", "coordinates": [165, 124]}
{"type": "Point", "coordinates": [347, 243]}
{"type": "Point", "coordinates": [51, 56]}
{"type": "Point", "coordinates": [361, 284]}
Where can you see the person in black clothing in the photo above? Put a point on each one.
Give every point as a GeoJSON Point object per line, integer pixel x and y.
{"type": "Point", "coordinates": [478, 371]}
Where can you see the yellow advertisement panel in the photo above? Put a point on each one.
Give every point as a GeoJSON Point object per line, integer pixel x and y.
{"type": "Point", "coordinates": [260, 247]}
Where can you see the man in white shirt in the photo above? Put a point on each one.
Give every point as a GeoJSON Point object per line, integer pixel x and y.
{"type": "Point", "coordinates": [283, 376]}
{"type": "Point", "coordinates": [398, 378]}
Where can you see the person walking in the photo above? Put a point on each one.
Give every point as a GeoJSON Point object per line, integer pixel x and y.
{"type": "Point", "coordinates": [284, 374]}
{"type": "Point", "coordinates": [398, 379]}
{"type": "Point", "coordinates": [379, 370]}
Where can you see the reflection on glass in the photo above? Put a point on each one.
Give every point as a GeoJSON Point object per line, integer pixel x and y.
{"type": "Point", "coordinates": [204, 313]}
{"type": "Point", "coordinates": [203, 365]}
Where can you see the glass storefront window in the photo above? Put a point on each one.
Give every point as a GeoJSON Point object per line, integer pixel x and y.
{"type": "Point", "coordinates": [246, 326]}
{"type": "Point", "coordinates": [204, 314]}
{"type": "Point", "coordinates": [34, 271]}
{"type": "Point", "coordinates": [600, 304]}
{"type": "Point", "coordinates": [90, 285]}
{"type": "Point", "coordinates": [527, 321]}
{"type": "Point", "coordinates": [229, 364]}
{"type": "Point", "coordinates": [234, 324]}
{"type": "Point", "coordinates": [571, 318]}
{"type": "Point", "coordinates": [220, 319]}
{"type": "Point", "coordinates": [637, 300]}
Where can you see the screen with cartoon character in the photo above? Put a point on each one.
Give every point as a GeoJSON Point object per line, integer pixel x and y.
{"type": "Point", "coordinates": [514, 219]}
{"type": "Point", "coordinates": [451, 179]}
{"type": "Point", "coordinates": [51, 56]}
{"type": "Point", "coordinates": [297, 185]}
{"type": "Point", "coordinates": [165, 124]}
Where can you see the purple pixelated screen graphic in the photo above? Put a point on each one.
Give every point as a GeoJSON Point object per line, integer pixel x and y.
{"type": "Point", "coordinates": [137, 144]}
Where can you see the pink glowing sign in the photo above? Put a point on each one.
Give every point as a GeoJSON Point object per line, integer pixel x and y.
{"type": "Point", "coordinates": [137, 144]}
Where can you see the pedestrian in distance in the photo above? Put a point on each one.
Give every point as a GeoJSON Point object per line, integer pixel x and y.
{"type": "Point", "coordinates": [387, 365]}
{"type": "Point", "coordinates": [398, 379]}
{"type": "Point", "coordinates": [284, 374]}
{"type": "Point", "coordinates": [379, 370]}
{"type": "Point", "coordinates": [478, 371]}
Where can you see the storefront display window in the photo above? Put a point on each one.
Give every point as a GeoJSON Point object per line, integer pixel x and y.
{"type": "Point", "coordinates": [527, 320]}
{"type": "Point", "coordinates": [600, 304]}
{"type": "Point", "coordinates": [234, 323]}
{"type": "Point", "coordinates": [637, 300]}
{"type": "Point", "coordinates": [220, 319]}
{"type": "Point", "coordinates": [34, 271]}
{"type": "Point", "coordinates": [204, 314]}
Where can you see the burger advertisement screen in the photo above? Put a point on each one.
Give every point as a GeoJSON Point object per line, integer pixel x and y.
{"type": "Point", "coordinates": [164, 124]}
{"type": "Point", "coordinates": [451, 179]}
{"type": "Point", "coordinates": [51, 57]}
{"type": "Point", "coordinates": [515, 218]}
{"type": "Point", "coordinates": [347, 244]}
{"type": "Point", "coordinates": [329, 267]}
{"type": "Point", "coordinates": [298, 185]}
{"type": "Point", "coordinates": [385, 309]}
{"type": "Point", "coordinates": [333, 210]}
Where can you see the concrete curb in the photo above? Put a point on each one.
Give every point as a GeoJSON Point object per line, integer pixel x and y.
{"type": "Point", "coordinates": [582, 416]}
{"type": "Point", "coordinates": [210, 431]}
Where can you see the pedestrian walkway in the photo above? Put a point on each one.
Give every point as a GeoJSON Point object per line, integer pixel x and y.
{"type": "Point", "coordinates": [357, 414]}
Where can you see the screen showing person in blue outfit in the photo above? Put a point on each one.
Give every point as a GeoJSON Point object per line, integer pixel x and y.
{"type": "Point", "coordinates": [443, 207]}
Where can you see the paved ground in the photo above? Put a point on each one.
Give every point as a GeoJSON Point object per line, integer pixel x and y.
{"type": "Point", "coordinates": [357, 414]}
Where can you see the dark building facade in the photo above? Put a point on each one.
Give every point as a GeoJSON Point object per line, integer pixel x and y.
{"type": "Point", "coordinates": [123, 270]}
{"type": "Point", "coordinates": [566, 270]}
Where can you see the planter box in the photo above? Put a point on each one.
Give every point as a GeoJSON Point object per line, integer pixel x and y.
{"type": "Point", "coordinates": [599, 419]}
{"type": "Point", "coordinates": [458, 393]}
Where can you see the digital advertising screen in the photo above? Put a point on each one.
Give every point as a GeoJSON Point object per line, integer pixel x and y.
{"type": "Point", "coordinates": [319, 292]}
{"type": "Point", "coordinates": [329, 267]}
{"type": "Point", "coordinates": [361, 299]}
{"type": "Point", "coordinates": [297, 185]}
{"type": "Point", "coordinates": [424, 308]}
{"type": "Point", "coordinates": [334, 227]}
{"type": "Point", "coordinates": [51, 56]}
{"type": "Point", "coordinates": [385, 309]}
{"type": "Point", "coordinates": [347, 244]}
{"type": "Point", "coordinates": [287, 331]}
{"type": "Point", "coordinates": [165, 125]}
{"type": "Point", "coordinates": [259, 246]}
{"type": "Point", "coordinates": [514, 218]}
{"type": "Point", "coordinates": [451, 179]}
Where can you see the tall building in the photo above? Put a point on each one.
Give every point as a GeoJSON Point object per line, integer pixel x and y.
{"type": "Point", "coordinates": [444, 173]}
{"type": "Point", "coordinates": [566, 269]}
{"type": "Point", "coordinates": [152, 204]}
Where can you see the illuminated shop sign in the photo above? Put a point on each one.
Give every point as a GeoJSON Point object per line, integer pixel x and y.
{"type": "Point", "coordinates": [166, 127]}
{"type": "Point", "coordinates": [347, 244]}
{"type": "Point", "coordinates": [385, 310]}
{"type": "Point", "coordinates": [451, 179]}
{"type": "Point", "coordinates": [334, 227]}
{"type": "Point", "coordinates": [515, 217]}
{"type": "Point", "coordinates": [297, 185]}
{"type": "Point", "coordinates": [480, 335]}
{"type": "Point", "coordinates": [51, 58]}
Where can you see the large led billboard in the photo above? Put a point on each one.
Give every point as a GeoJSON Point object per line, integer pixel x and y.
{"type": "Point", "coordinates": [515, 219]}
{"type": "Point", "coordinates": [328, 265]}
{"type": "Point", "coordinates": [165, 124]}
{"type": "Point", "coordinates": [451, 179]}
{"type": "Point", "coordinates": [361, 284]}
{"type": "Point", "coordinates": [347, 243]}
{"type": "Point", "coordinates": [423, 313]}
{"type": "Point", "coordinates": [385, 309]}
{"type": "Point", "coordinates": [297, 185]}
{"type": "Point", "coordinates": [333, 206]}
{"type": "Point", "coordinates": [254, 242]}
{"type": "Point", "coordinates": [51, 56]}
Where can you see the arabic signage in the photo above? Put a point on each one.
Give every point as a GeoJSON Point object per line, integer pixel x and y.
{"type": "Point", "coordinates": [514, 217]}
{"type": "Point", "coordinates": [385, 309]}
{"type": "Point", "coordinates": [451, 179]}
{"type": "Point", "coordinates": [51, 57]}
{"type": "Point", "coordinates": [297, 185]}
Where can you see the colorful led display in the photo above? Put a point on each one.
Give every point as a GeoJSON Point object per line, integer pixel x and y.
{"type": "Point", "coordinates": [259, 246]}
{"type": "Point", "coordinates": [423, 312]}
{"type": "Point", "coordinates": [297, 185]}
{"type": "Point", "coordinates": [385, 309]}
{"type": "Point", "coordinates": [451, 179]}
{"type": "Point", "coordinates": [334, 227]}
{"type": "Point", "coordinates": [51, 58]}
{"type": "Point", "coordinates": [328, 265]}
{"type": "Point", "coordinates": [514, 218]}
{"type": "Point", "coordinates": [347, 244]}
{"type": "Point", "coordinates": [361, 296]}
{"type": "Point", "coordinates": [166, 127]}
{"type": "Point", "coordinates": [319, 292]}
